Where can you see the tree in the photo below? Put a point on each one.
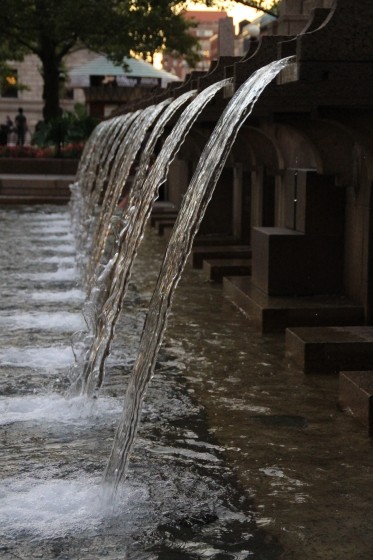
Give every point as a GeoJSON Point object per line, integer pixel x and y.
{"type": "Point", "coordinates": [270, 7]}
{"type": "Point", "coordinates": [53, 28]}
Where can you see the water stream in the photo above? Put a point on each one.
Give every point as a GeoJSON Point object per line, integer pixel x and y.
{"type": "Point", "coordinates": [132, 143]}
{"type": "Point", "coordinates": [191, 213]}
{"type": "Point", "coordinates": [140, 201]}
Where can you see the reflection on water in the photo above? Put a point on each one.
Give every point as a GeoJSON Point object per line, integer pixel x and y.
{"type": "Point", "coordinates": [238, 456]}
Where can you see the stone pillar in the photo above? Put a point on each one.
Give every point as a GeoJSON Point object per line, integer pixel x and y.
{"type": "Point", "coordinates": [177, 181]}
{"type": "Point", "coordinates": [292, 18]}
{"type": "Point", "coordinates": [218, 219]}
{"type": "Point", "coordinates": [237, 199]}
{"type": "Point", "coordinates": [226, 37]}
{"type": "Point", "coordinates": [306, 256]}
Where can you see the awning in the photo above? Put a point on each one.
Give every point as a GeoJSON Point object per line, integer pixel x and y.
{"type": "Point", "coordinates": [137, 72]}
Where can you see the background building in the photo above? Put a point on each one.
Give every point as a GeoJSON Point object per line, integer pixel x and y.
{"type": "Point", "coordinates": [207, 25]}
{"type": "Point", "coordinates": [86, 78]}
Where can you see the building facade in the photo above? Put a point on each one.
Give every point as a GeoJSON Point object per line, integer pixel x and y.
{"type": "Point", "coordinates": [206, 27]}
{"type": "Point", "coordinates": [30, 97]}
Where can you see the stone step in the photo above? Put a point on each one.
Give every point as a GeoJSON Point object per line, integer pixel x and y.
{"type": "Point", "coordinates": [211, 240]}
{"type": "Point", "coordinates": [160, 215]}
{"type": "Point", "coordinates": [164, 227]}
{"type": "Point", "coordinates": [24, 199]}
{"type": "Point", "coordinates": [275, 314]}
{"type": "Point", "coordinates": [34, 188]}
{"type": "Point", "coordinates": [356, 396]}
{"type": "Point", "coordinates": [201, 253]}
{"type": "Point", "coordinates": [331, 349]}
{"type": "Point", "coordinates": [214, 270]}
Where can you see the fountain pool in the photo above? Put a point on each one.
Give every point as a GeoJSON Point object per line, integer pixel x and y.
{"type": "Point", "coordinates": [238, 456]}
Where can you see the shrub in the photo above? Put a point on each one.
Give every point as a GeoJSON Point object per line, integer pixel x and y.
{"type": "Point", "coordinates": [70, 129]}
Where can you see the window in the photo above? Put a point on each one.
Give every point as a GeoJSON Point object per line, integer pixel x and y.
{"type": "Point", "coordinates": [205, 32]}
{"type": "Point", "coordinates": [9, 84]}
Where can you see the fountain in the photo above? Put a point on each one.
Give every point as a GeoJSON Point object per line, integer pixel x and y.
{"type": "Point", "coordinates": [179, 499]}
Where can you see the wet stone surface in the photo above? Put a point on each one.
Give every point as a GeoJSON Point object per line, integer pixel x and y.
{"type": "Point", "coordinates": [181, 499]}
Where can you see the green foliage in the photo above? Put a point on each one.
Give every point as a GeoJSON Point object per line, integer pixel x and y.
{"type": "Point", "coordinates": [69, 128]}
{"type": "Point", "coordinates": [267, 6]}
{"type": "Point", "coordinates": [52, 28]}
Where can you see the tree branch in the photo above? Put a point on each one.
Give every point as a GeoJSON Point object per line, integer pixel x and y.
{"type": "Point", "coordinates": [261, 6]}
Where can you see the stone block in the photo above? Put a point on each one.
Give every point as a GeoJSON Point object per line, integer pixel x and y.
{"type": "Point", "coordinates": [287, 262]}
{"type": "Point", "coordinates": [330, 349]}
{"type": "Point", "coordinates": [38, 166]}
{"type": "Point", "coordinates": [157, 217]}
{"type": "Point", "coordinates": [275, 314]}
{"type": "Point", "coordinates": [214, 270]}
{"type": "Point", "coordinates": [201, 253]}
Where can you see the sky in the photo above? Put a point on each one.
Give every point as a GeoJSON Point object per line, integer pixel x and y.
{"type": "Point", "coordinates": [237, 11]}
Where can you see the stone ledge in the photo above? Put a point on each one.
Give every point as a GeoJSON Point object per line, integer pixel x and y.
{"type": "Point", "coordinates": [275, 313]}
{"type": "Point", "coordinates": [32, 199]}
{"type": "Point", "coordinates": [201, 253]}
{"type": "Point", "coordinates": [331, 349]}
{"type": "Point", "coordinates": [214, 270]}
{"type": "Point", "coordinates": [47, 166]}
{"type": "Point", "coordinates": [165, 214]}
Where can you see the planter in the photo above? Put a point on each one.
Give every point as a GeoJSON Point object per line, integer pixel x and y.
{"type": "Point", "coordinates": [38, 166]}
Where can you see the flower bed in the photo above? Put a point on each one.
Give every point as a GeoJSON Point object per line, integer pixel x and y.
{"type": "Point", "coordinates": [68, 151]}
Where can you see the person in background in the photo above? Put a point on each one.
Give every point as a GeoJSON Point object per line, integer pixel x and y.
{"type": "Point", "coordinates": [21, 127]}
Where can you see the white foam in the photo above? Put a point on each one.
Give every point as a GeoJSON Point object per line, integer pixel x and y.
{"type": "Point", "coordinates": [51, 508]}
{"type": "Point", "coordinates": [57, 409]}
{"type": "Point", "coordinates": [74, 295]}
{"type": "Point", "coordinates": [61, 275]}
{"type": "Point", "coordinates": [61, 236]}
{"type": "Point", "coordinates": [59, 249]}
{"type": "Point", "coordinates": [49, 357]}
{"type": "Point", "coordinates": [63, 321]}
{"type": "Point", "coordinates": [66, 259]}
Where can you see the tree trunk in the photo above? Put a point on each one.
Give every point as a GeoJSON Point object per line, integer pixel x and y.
{"type": "Point", "coordinates": [51, 98]}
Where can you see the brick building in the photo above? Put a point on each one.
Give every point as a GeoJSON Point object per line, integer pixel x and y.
{"type": "Point", "coordinates": [207, 26]}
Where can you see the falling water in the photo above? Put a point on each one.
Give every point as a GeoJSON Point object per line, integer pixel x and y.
{"type": "Point", "coordinates": [97, 288]}
{"type": "Point", "coordinates": [191, 213]}
{"type": "Point", "coordinates": [133, 142]}
{"type": "Point", "coordinates": [86, 193]}
{"type": "Point", "coordinates": [114, 133]}
{"type": "Point", "coordinates": [85, 175]}
{"type": "Point", "coordinates": [139, 208]}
